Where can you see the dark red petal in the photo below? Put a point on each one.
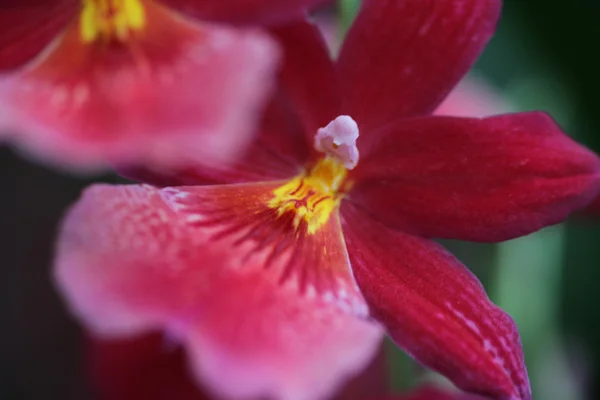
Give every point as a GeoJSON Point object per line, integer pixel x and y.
{"type": "Point", "coordinates": [484, 180]}
{"type": "Point", "coordinates": [370, 384]}
{"type": "Point", "coordinates": [594, 208]}
{"type": "Point", "coordinates": [402, 57]}
{"type": "Point", "coordinates": [244, 11]}
{"type": "Point", "coordinates": [308, 77]}
{"type": "Point", "coordinates": [141, 368]}
{"type": "Point", "coordinates": [157, 98]}
{"type": "Point", "coordinates": [434, 308]}
{"type": "Point", "coordinates": [255, 303]}
{"type": "Point", "coordinates": [152, 367]}
{"type": "Point", "coordinates": [277, 152]}
{"type": "Point", "coordinates": [28, 26]}
{"type": "Point", "coordinates": [429, 392]}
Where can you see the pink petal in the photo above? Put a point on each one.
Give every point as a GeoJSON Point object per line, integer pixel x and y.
{"type": "Point", "coordinates": [158, 99]}
{"type": "Point", "coordinates": [474, 179]}
{"type": "Point", "coordinates": [256, 304]}
{"type": "Point", "coordinates": [473, 97]}
{"type": "Point", "coordinates": [276, 152]}
{"type": "Point", "coordinates": [435, 309]}
{"type": "Point", "coordinates": [402, 57]}
{"type": "Point", "coordinates": [244, 11]}
{"type": "Point", "coordinates": [28, 26]}
{"type": "Point", "coordinates": [145, 368]}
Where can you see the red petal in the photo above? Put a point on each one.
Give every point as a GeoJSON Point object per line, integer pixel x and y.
{"type": "Point", "coordinates": [474, 179]}
{"type": "Point", "coordinates": [308, 76]}
{"type": "Point", "coordinates": [435, 309]}
{"type": "Point", "coordinates": [434, 393]}
{"type": "Point", "coordinates": [402, 57]}
{"type": "Point", "coordinates": [28, 26]}
{"type": "Point", "coordinates": [256, 306]}
{"type": "Point", "coordinates": [159, 98]}
{"type": "Point", "coordinates": [145, 368]}
{"type": "Point", "coordinates": [244, 11]}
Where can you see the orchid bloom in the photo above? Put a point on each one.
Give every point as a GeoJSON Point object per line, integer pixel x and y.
{"type": "Point", "coordinates": [277, 275]}
{"type": "Point", "coordinates": [87, 83]}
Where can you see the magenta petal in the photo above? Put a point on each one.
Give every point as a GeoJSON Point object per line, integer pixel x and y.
{"type": "Point", "coordinates": [402, 57]}
{"type": "Point", "coordinates": [245, 11]}
{"type": "Point", "coordinates": [158, 99]}
{"type": "Point", "coordinates": [28, 26]}
{"type": "Point", "coordinates": [484, 180]}
{"type": "Point", "coordinates": [255, 306]}
{"type": "Point", "coordinates": [435, 308]}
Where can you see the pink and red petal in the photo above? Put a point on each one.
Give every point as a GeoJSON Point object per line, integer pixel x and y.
{"type": "Point", "coordinates": [434, 308]}
{"type": "Point", "coordinates": [158, 98]}
{"type": "Point", "coordinates": [28, 26]}
{"type": "Point", "coordinates": [483, 180]}
{"type": "Point", "coordinates": [246, 11]}
{"type": "Point", "coordinates": [256, 304]}
{"type": "Point", "coordinates": [402, 57]}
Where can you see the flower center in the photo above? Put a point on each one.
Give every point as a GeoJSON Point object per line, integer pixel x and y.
{"type": "Point", "coordinates": [315, 194]}
{"type": "Point", "coordinates": [111, 19]}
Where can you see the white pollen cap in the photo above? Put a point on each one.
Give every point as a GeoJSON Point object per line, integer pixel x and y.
{"type": "Point", "coordinates": [338, 139]}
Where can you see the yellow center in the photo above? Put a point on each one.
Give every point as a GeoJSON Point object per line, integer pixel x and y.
{"type": "Point", "coordinates": [111, 19]}
{"type": "Point", "coordinates": [313, 195]}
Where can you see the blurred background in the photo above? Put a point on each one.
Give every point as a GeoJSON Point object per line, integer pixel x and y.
{"type": "Point", "coordinates": [543, 57]}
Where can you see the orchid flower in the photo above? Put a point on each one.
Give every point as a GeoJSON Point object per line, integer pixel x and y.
{"type": "Point", "coordinates": [87, 83]}
{"type": "Point", "coordinates": [277, 273]}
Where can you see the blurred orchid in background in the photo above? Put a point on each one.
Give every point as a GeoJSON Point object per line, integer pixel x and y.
{"type": "Point", "coordinates": [88, 83]}
{"type": "Point", "coordinates": [148, 368]}
{"type": "Point", "coordinates": [275, 277]}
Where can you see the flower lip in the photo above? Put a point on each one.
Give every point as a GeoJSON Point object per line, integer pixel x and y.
{"type": "Point", "coordinates": [111, 19]}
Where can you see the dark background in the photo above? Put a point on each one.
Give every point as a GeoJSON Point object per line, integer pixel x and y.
{"type": "Point", "coordinates": [545, 56]}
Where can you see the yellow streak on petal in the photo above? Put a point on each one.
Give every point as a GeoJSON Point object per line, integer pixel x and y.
{"type": "Point", "coordinates": [111, 19]}
{"type": "Point", "coordinates": [312, 196]}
